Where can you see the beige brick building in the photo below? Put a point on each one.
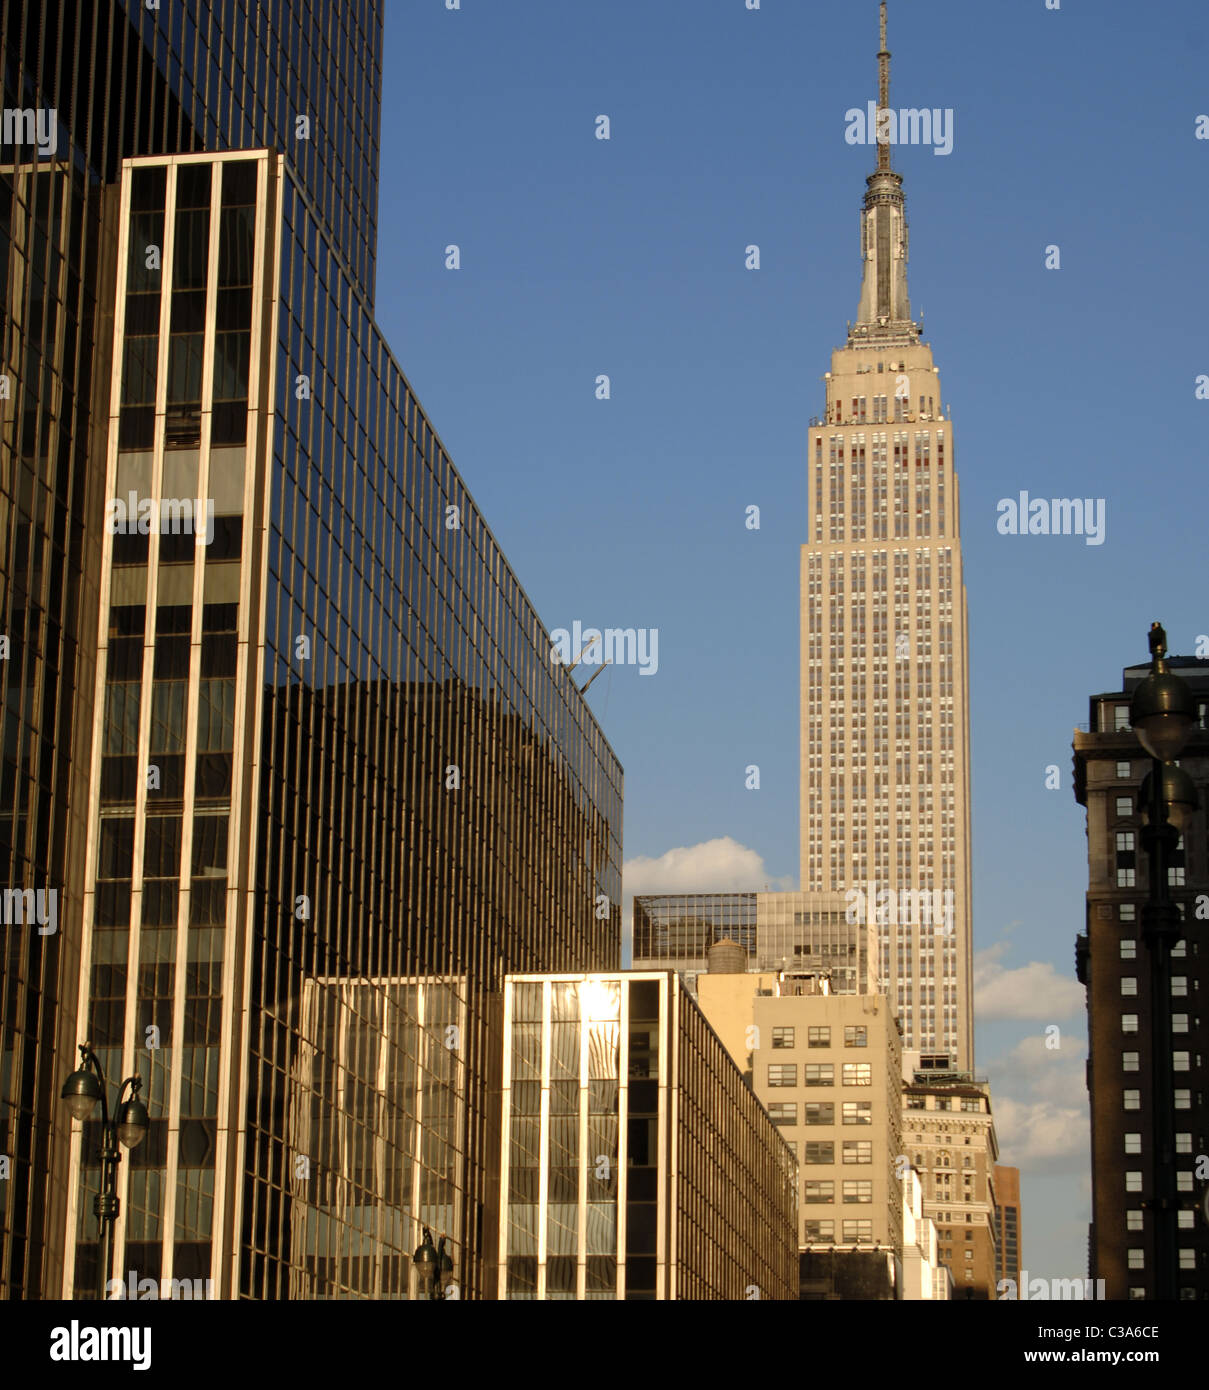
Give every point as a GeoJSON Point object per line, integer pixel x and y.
{"type": "Point", "coordinates": [827, 1068]}
{"type": "Point", "coordinates": [949, 1138]}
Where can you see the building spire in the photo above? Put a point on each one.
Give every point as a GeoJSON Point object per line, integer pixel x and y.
{"type": "Point", "coordinates": [883, 95]}
{"type": "Point", "coordinates": [884, 315]}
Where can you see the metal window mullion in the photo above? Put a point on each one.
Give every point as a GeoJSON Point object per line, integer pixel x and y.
{"type": "Point", "coordinates": [140, 805]}
{"type": "Point", "coordinates": [543, 1144]}
{"type": "Point", "coordinates": [672, 1002]}
{"type": "Point", "coordinates": [98, 722]}
{"type": "Point", "coordinates": [581, 1266]}
{"type": "Point", "coordinates": [623, 1133]}
{"type": "Point", "coordinates": [184, 882]}
{"type": "Point", "coordinates": [663, 1183]}
{"type": "Point", "coordinates": [249, 674]}
{"type": "Point", "coordinates": [506, 1143]}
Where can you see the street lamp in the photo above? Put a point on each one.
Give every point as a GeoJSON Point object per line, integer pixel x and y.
{"type": "Point", "coordinates": [1163, 714]}
{"type": "Point", "coordinates": [434, 1267]}
{"type": "Point", "coordinates": [128, 1127]}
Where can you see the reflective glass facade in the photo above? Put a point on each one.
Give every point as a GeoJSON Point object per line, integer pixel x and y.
{"type": "Point", "coordinates": [808, 932]}
{"type": "Point", "coordinates": [338, 789]}
{"type": "Point", "coordinates": [635, 1162]}
{"type": "Point", "coordinates": [97, 81]}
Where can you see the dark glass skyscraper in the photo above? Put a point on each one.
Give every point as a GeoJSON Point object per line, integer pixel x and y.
{"type": "Point", "coordinates": [333, 788]}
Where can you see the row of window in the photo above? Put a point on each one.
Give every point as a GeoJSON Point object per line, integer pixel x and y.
{"type": "Point", "coordinates": [853, 1190]}
{"type": "Point", "coordinates": [855, 1035]}
{"type": "Point", "coordinates": [853, 1232]}
{"type": "Point", "coordinates": [852, 1150]}
{"type": "Point", "coordinates": [820, 1074]}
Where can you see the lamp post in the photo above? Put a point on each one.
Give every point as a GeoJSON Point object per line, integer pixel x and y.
{"type": "Point", "coordinates": [127, 1127]}
{"type": "Point", "coordinates": [434, 1267]}
{"type": "Point", "coordinates": [1163, 713]}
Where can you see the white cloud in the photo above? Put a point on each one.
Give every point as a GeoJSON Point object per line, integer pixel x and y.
{"type": "Point", "coordinates": [1039, 1095]}
{"type": "Point", "coordinates": [1035, 990]}
{"type": "Point", "coordinates": [714, 866]}
{"type": "Point", "coordinates": [1042, 1137]}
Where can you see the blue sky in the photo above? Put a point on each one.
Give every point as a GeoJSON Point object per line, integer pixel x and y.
{"type": "Point", "coordinates": [579, 257]}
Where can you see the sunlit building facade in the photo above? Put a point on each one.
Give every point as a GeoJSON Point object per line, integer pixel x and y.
{"type": "Point", "coordinates": [87, 84]}
{"type": "Point", "coordinates": [885, 729]}
{"type": "Point", "coordinates": [635, 1162]}
{"type": "Point", "coordinates": [338, 789]}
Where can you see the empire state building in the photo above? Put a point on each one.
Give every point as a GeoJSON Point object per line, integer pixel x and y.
{"type": "Point", "coordinates": [885, 768]}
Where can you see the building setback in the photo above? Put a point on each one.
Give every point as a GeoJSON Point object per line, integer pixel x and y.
{"type": "Point", "coordinates": [1113, 963]}
{"type": "Point", "coordinates": [635, 1162]}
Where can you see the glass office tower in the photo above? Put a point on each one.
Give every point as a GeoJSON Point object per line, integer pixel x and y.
{"type": "Point", "coordinates": [327, 749]}
{"type": "Point", "coordinates": [88, 83]}
{"type": "Point", "coordinates": [336, 779]}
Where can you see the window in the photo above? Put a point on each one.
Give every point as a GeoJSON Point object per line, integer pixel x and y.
{"type": "Point", "coordinates": [818, 1037]}
{"type": "Point", "coordinates": [1133, 1143]}
{"type": "Point", "coordinates": [968, 1161]}
{"type": "Point", "coordinates": [1129, 1061]}
{"type": "Point", "coordinates": [1129, 984]}
{"type": "Point", "coordinates": [792, 1146]}
{"type": "Point", "coordinates": [943, 1105]}
{"type": "Point", "coordinates": [783, 1074]}
{"type": "Point", "coordinates": [1137, 1258]}
{"type": "Point", "coordinates": [819, 1193]}
{"type": "Point", "coordinates": [783, 1113]}
{"type": "Point", "coordinates": [1183, 1143]}
{"type": "Point", "coordinates": [1180, 1061]}
{"type": "Point", "coordinates": [1183, 1182]}
{"type": "Point", "coordinates": [858, 1190]}
{"type": "Point", "coordinates": [782, 1037]}
{"type": "Point", "coordinates": [818, 1151]}
{"type": "Point", "coordinates": [858, 1112]}
{"type": "Point", "coordinates": [1120, 718]}
{"type": "Point", "coordinates": [1179, 985]}
{"type": "Point", "coordinates": [1187, 1258]}
{"type": "Point", "coordinates": [917, 1103]}
{"type": "Point", "coordinates": [1133, 1182]}
{"type": "Point", "coordinates": [1129, 912]}
{"type": "Point", "coordinates": [820, 1074]}
{"type": "Point", "coordinates": [1129, 1023]}
{"type": "Point", "coordinates": [974, 1106]}
{"type": "Point", "coordinates": [858, 1074]}
{"type": "Point", "coordinates": [856, 1232]}
{"type": "Point", "coordinates": [1122, 769]}
{"type": "Point", "coordinates": [820, 1112]}
{"type": "Point", "coordinates": [1129, 948]}
{"type": "Point", "coordinates": [1132, 1100]}
{"type": "Point", "coordinates": [1179, 1023]}
{"type": "Point", "coordinates": [820, 1230]}
{"type": "Point", "coordinates": [1183, 1100]}
{"type": "Point", "coordinates": [1133, 1219]}
{"type": "Point", "coordinates": [1125, 806]}
{"type": "Point", "coordinates": [858, 1151]}
{"type": "Point", "coordinates": [856, 1036]}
